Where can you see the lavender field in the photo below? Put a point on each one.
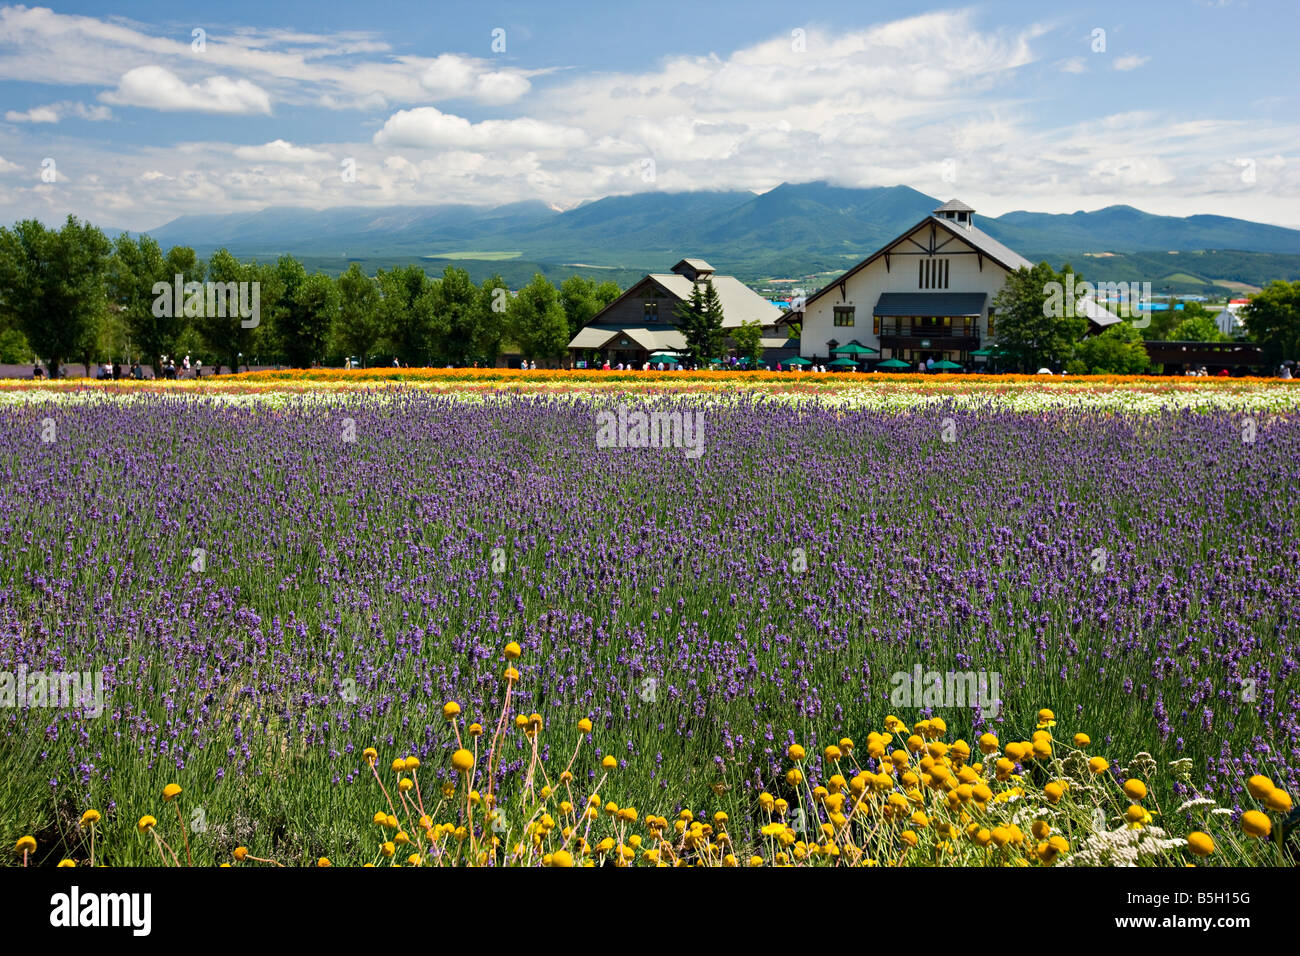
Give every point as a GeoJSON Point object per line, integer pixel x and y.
{"type": "Point", "coordinates": [269, 588]}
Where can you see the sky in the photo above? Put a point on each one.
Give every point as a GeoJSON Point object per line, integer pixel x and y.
{"type": "Point", "coordinates": [156, 110]}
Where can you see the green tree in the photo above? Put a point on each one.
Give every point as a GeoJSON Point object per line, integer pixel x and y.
{"type": "Point", "coordinates": [1197, 328]}
{"type": "Point", "coordinates": [457, 313]}
{"type": "Point", "coordinates": [405, 313]}
{"type": "Point", "coordinates": [358, 326]}
{"type": "Point", "coordinates": [1272, 320]}
{"type": "Point", "coordinates": [583, 298]}
{"type": "Point", "coordinates": [494, 319]}
{"type": "Point", "coordinates": [536, 320]}
{"type": "Point", "coordinates": [14, 349]}
{"type": "Point", "coordinates": [52, 286]}
{"type": "Point", "coordinates": [233, 338]}
{"type": "Point", "coordinates": [1116, 351]}
{"type": "Point", "coordinates": [748, 339]}
{"type": "Point", "coordinates": [1036, 326]}
{"type": "Point", "coordinates": [315, 309]}
{"type": "Point", "coordinates": [137, 266]}
{"type": "Point", "coordinates": [699, 319]}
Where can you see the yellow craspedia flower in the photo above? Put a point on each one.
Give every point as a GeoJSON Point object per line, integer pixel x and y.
{"type": "Point", "coordinates": [584, 726]}
{"type": "Point", "coordinates": [562, 859]}
{"type": "Point", "coordinates": [794, 777]}
{"type": "Point", "coordinates": [910, 838]}
{"type": "Point", "coordinates": [399, 765]}
{"type": "Point", "coordinates": [388, 848]}
{"type": "Point", "coordinates": [405, 784]}
{"type": "Point", "coordinates": [1256, 824]}
{"type": "Point", "coordinates": [1082, 740]}
{"type": "Point", "coordinates": [1098, 765]}
{"type": "Point", "coordinates": [240, 854]}
{"type": "Point", "coordinates": [475, 730]}
{"type": "Point", "coordinates": [608, 762]}
{"type": "Point", "coordinates": [795, 752]}
{"type": "Point", "coordinates": [67, 863]}
{"type": "Point", "coordinates": [521, 721]}
{"type": "Point", "coordinates": [988, 744]}
{"type": "Point", "coordinates": [846, 744]}
{"type": "Point", "coordinates": [171, 791]}
{"type": "Point", "coordinates": [1200, 843]}
{"type": "Point", "coordinates": [451, 710]}
{"type": "Point", "coordinates": [462, 760]}
{"type": "Point", "coordinates": [146, 823]}
{"type": "Point", "coordinates": [1259, 786]}
{"type": "Point", "coordinates": [755, 860]}
{"type": "Point", "coordinates": [1053, 791]}
{"type": "Point", "coordinates": [26, 844]}
{"type": "Point", "coordinates": [89, 817]}
{"type": "Point", "coordinates": [513, 651]}
{"type": "Point", "coordinates": [1278, 800]}
{"type": "Point", "coordinates": [415, 859]}
{"type": "Point", "coordinates": [412, 763]}
{"type": "Point", "coordinates": [1040, 829]}
{"type": "Point", "coordinates": [1135, 789]}
{"type": "Point", "coordinates": [324, 861]}
{"type": "Point", "coordinates": [371, 755]}
{"type": "Point", "coordinates": [1046, 718]}
{"type": "Point", "coordinates": [766, 801]}
{"type": "Point", "coordinates": [511, 674]}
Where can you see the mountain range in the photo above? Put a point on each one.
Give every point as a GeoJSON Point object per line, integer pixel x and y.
{"type": "Point", "coordinates": [794, 229]}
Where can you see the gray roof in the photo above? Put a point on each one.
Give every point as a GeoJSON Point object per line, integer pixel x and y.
{"type": "Point", "coordinates": [699, 265]}
{"type": "Point", "coordinates": [930, 304]}
{"type": "Point", "coordinates": [986, 244]}
{"type": "Point", "coordinates": [955, 205]}
{"type": "Point", "coordinates": [1097, 314]}
{"type": "Point", "coordinates": [740, 303]}
{"type": "Point", "coordinates": [652, 340]}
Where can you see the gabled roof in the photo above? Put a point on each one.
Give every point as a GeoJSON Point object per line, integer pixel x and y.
{"type": "Point", "coordinates": [977, 238]}
{"type": "Point", "coordinates": [955, 205]}
{"type": "Point", "coordinates": [696, 265]}
{"type": "Point", "coordinates": [740, 303]}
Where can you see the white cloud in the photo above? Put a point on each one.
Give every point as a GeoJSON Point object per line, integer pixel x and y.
{"type": "Point", "coordinates": [157, 88]}
{"type": "Point", "coordinates": [457, 77]}
{"type": "Point", "coordinates": [1130, 62]}
{"type": "Point", "coordinates": [6, 166]}
{"type": "Point", "coordinates": [1075, 64]}
{"type": "Point", "coordinates": [281, 151]}
{"type": "Point", "coordinates": [429, 128]}
{"type": "Point", "coordinates": [54, 112]}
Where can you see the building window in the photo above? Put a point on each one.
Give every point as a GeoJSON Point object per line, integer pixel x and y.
{"type": "Point", "coordinates": [875, 326]}
{"type": "Point", "coordinates": [990, 323]}
{"type": "Point", "coordinates": [844, 315]}
{"type": "Point", "coordinates": [652, 311]}
{"type": "Point", "coordinates": [932, 274]}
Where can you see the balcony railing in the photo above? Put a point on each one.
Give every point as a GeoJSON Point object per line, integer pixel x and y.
{"type": "Point", "coordinates": [957, 328]}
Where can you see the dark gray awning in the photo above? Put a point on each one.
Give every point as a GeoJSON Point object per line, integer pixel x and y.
{"type": "Point", "coordinates": [931, 304]}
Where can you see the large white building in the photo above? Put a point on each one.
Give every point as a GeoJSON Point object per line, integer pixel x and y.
{"type": "Point", "coordinates": [926, 295]}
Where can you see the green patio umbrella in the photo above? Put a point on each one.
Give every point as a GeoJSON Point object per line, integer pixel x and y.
{"type": "Point", "coordinates": [893, 363]}
{"type": "Point", "coordinates": [843, 363]}
{"type": "Point", "coordinates": [796, 360]}
{"type": "Point", "coordinates": [982, 352]}
{"type": "Point", "coordinates": [665, 357]}
{"type": "Point", "coordinates": [946, 366]}
{"type": "Point", "coordinates": [853, 348]}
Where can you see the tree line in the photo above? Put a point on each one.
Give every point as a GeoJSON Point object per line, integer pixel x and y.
{"type": "Point", "coordinates": [1029, 334]}
{"type": "Point", "coordinates": [72, 294]}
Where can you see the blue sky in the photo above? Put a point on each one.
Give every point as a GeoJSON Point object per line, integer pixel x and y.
{"type": "Point", "coordinates": [1180, 107]}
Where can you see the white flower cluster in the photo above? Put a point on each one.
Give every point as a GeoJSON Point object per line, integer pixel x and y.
{"type": "Point", "coordinates": [1127, 846]}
